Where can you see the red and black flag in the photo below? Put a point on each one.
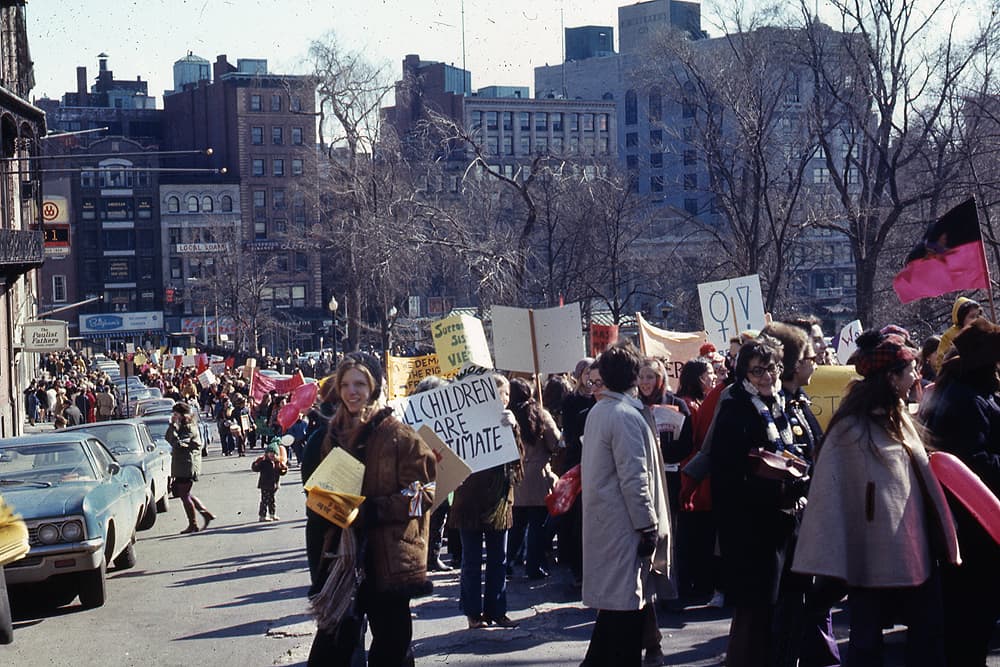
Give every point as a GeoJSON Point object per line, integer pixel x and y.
{"type": "Point", "coordinates": [950, 257]}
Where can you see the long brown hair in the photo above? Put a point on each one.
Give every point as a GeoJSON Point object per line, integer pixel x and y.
{"type": "Point", "coordinates": [343, 425]}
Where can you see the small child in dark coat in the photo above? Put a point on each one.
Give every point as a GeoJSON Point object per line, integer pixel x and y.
{"type": "Point", "coordinates": [270, 469]}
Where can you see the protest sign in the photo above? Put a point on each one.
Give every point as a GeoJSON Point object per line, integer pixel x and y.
{"type": "Point", "coordinates": [403, 374]}
{"type": "Point", "coordinates": [845, 342]}
{"type": "Point", "coordinates": [537, 341]}
{"type": "Point", "coordinates": [206, 378]}
{"type": "Point", "coordinates": [451, 470]}
{"type": "Point", "coordinates": [334, 488]}
{"type": "Point", "coordinates": [465, 414]}
{"type": "Point", "coordinates": [731, 306]}
{"type": "Point", "coordinates": [460, 340]}
{"type": "Point", "coordinates": [676, 347]}
{"type": "Point", "coordinates": [602, 336]}
{"type": "Point", "coordinates": [826, 387]}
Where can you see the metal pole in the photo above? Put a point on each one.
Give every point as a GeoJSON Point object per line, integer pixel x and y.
{"type": "Point", "coordinates": [204, 325]}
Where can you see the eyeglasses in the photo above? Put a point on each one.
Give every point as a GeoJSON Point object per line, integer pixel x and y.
{"type": "Point", "coordinates": [595, 383]}
{"type": "Point", "coordinates": [759, 371]}
{"type": "Point", "coordinates": [811, 359]}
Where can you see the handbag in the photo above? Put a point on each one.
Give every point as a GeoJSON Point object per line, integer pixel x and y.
{"type": "Point", "coordinates": [565, 491]}
{"type": "Point", "coordinates": [780, 467]}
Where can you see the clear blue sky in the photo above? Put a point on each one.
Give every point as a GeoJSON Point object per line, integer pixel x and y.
{"type": "Point", "coordinates": [504, 40]}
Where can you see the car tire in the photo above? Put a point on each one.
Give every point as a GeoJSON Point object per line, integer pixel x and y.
{"type": "Point", "coordinates": [126, 559]}
{"type": "Point", "coordinates": [6, 622]}
{"type": "Point", "coordinates": [93, 586]}
{"type": "Point", "coordinates": [148, 515]}
{"type": "Point", "coordinates": [163, 504]}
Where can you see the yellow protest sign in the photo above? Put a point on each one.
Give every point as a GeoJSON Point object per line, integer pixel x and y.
{"type": "Point", "coordinates": [460, 340]}
{"type": "Point", "coordinates": [334, 488]}
{"type": "Point", "coordinates": [139, 359]}
{"type": "Point", "coordinates": [405, 373]}
{"type": "Point", "coordinates": [826, 388]}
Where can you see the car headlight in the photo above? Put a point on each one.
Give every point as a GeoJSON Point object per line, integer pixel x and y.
{"type": "Point", "coordinates": [72, 531]}
{"type": "Point", "coordinates": [48, 533]}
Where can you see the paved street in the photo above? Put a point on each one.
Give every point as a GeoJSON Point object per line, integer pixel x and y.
{"type": "Point", "coordinates": [235, 595]}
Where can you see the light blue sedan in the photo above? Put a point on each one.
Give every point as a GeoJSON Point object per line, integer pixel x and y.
{"type": "Point", "coordinates": [81, 507]}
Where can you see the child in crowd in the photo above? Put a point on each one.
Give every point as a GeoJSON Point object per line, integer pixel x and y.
{"type": "Point", "coordinates": [270, 469]}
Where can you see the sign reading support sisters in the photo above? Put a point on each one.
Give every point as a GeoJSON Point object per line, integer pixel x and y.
{"type": "Point", "coordinates": [460, 340]}
{"type": "Point", "coordinates": [465, 414]}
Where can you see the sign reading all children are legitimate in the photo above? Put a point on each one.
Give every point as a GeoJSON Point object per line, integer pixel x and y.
{"type": "Point", "coordinates": [466, 415]}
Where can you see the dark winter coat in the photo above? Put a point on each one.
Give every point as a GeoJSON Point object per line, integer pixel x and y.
{"type": "Point", "coordinates": [270, 472]}
{"type": "Point", "coordinates": [755, 530]}
{"type": "Point", "coordinates": [574, 416]}
{"type": "Point", "coordinates": [185, 449]}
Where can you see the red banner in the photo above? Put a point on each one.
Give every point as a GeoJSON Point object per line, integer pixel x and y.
{"type": "Point", "coordinates": [263, 384]}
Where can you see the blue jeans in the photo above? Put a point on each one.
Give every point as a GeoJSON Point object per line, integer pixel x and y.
{"type": "Point", "coordinates": [473, 601]}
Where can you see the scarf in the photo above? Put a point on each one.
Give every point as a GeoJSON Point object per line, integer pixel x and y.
{"type": "Point", "coordinates": [781, 438]}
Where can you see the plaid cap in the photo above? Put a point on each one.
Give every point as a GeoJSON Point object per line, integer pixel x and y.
{"type": "Point", "coordinates": [890, 351]}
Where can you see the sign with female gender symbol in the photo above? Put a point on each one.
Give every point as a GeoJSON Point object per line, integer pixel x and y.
{"type": "Point", "coordinates": [731, 306]}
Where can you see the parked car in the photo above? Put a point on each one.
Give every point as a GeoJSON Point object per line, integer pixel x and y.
{"type": "Point", "coordinates": [132, 444]}
{"type": "Point", "coordinates": [148, 405]}
{"type": "Point", "coordinates": [81, 507]}
{"type": "Point", "coordinates": [158, 423]}
{"type": "Point", "coordinates": [13, 546]}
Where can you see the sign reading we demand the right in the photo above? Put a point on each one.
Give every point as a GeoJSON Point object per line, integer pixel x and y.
{"type": "Point", "coordinates": [466, 415]}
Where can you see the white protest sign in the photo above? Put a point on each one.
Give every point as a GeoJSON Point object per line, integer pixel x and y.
{"type": "Point", "coordinates": [554, 335]}
{"type": "Point", "coordinates": [451, 470]}
{"type": "Point", "coordinates": [731, 306]}
{"type": "Point", "coordinates": [846, 341]}
{"type": "Point", "coordinates": [466, 415]}
{"type": "Point", "coordinates": [207, 378]}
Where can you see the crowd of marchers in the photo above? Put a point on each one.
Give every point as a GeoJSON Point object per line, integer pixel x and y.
{"type": "Point", "coordinates": [739, 500]}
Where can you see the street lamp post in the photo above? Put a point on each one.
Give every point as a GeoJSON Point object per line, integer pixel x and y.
{"type": "Point", "coordinates": [333, 316]}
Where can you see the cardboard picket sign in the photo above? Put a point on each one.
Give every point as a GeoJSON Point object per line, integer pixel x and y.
{"type": "Point", "coordinates": [403, 374]}
{"type": "Point", "coordinates": [451, 470]}
{"type": "Point", "coordinates": [466, 415]}
{"type": "Point", "coordinates": [207, 378]}
{"type": "Point", "coordinates": [731, 306]}
{"type": "Point", "coordinates": [847, 340]}
{"type": "Point", "coordinates": [549, 340]}
{"type": "Point", "coordinates": [676, 347]}
{"type": "Point", "coordinates": [826, 388]}
{"type": "Point", "coordinates": [460, 340]}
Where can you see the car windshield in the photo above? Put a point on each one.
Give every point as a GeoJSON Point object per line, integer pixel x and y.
{"type": "Point", "coordinates": [44, 463]}
{"type": "Point", "coordinates": [158, 429]}
{"type": "Point", "coordinates": [120, 438]}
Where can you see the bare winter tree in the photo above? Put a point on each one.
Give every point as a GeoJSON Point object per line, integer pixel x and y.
{"type": "Point", "coordinates": [742, 94]}
{"type": "Point", "coordinates": [363, 192]}
{"type": "Point", "coordinates": [885, 82]}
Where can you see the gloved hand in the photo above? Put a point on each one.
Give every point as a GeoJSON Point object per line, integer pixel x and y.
{"type": "Point", "coordinates": [647, 543]}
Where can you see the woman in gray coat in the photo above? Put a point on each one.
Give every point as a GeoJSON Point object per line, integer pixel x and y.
{"type": "Point", "coordinates": [626, 524]}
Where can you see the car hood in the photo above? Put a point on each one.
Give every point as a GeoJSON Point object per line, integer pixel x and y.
{"type": "Point", "coordinates": [34, 502]}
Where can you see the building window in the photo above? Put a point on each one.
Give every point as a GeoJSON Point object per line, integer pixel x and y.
{"type": "Point", "coordinates": [493, 145]}
{"type": "Point", "coordinates": [295, 104]}
{"type": "Point", "coordinates": [86, 179]}
{"type": "Point", "coordinates": [176, 269]}
{"type": "Point", "coordinates": [281, 263]}
{"type": "Point", "coordinates": [255, 103]}
{"type": "Point", "coordinates": [602, 122]}
{"type": "Point", "coordinates": [690, 181]}
{"type": "Point", "coordinates": [631, 140]}
{"type": "Point", "coordinates": [257, 168]}
{"type": "Point", "coordinates": [525, 121]}
{"type": "Point", "coordinates": [278, 198]}
{"type": "Point", "coordinates": [541, 145]}
{"type": "Point", "coordinates": [278, 167]}
{"type": "Point", "coordinates": [174, 235]}
{"type": "Point", "coordinates": [277, 136]}
{"type": "Point", "coordinates": [491, 121]}
{"type": "Point", "coordinates": [142, 178]}
{"type": "Point", "coordinates": [588, 122]}
{"type": "Point", "coordinates": [58, 289]}
{"type": "Point", "coordinates": [275, 102]}
{"type": "Point", "coordinates": [632, 161]}
{"type": "Point", "coordinates": [691, 206]}
{"type": "Point", "coordinates": [690, 157]}
{"type": "Point", "coordinates": [656, 183]}
{"type": "Point", "coordinates": [298, 296]}
{"type": "Point", "coordinates": [297, 136]}
{"type": "Point", "coordinates": [206, 204]}
{"type": "Point", "coordinates": [631, 108]}
{"type": "Point", "coordinates": [259, 198]}
{"type": "Point", "coordinates": [508, 121]}
{"type": "Point", "coordinates": [656, 160]}
{"type": "Point", "coordinates": [687, 132]}
{"type": "Point", "coordinates": [145, 208]}
{"type": "Point", "coordinates": [257, 136]}
{"type": "Point", "coordinates": [541, 122]}
{"type": "Point", "coordinates": [821, 175]}
{"type": "Point", "coordinates": [525, 145]}
{"type": "Point", "coordinates": [574, 122]}
{"type": "Point", "coordinates": [557, 145]}
{"type": "Point", "coordinates": [301, 262]}
{"type": "Point", "coordinates": [655, 105]}
{"type": "Point", "coordinates": [688, 109]}
{"type": "Point", "coordinates": [260, 230]}
{"type": "Point", "coordinates": [557, 122]}
{"type": "Point", "coordinates": [792, 91]}
{"type": "Point", "coordinates": [477, 120]}
{"type": "Point", "coordinates": [656, 137]}
{"type": "Point", "coordinates": [173, 205]}
{"type": "Point", "coordinates": [508, 145]}
{"type": "Point", "coordinates": [280, 227]}
{"type": "Point", "coordinates": [227, 204]}
{"type": "Point", "coordinates": [853, 176]}
{"type": "Point", "coordinates": [296, 167]}
{"type": "Point", "coordinates": [192, 204]}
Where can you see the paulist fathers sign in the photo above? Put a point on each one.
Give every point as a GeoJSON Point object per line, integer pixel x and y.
{"type": "Point", "coordinates": [466, 415]}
